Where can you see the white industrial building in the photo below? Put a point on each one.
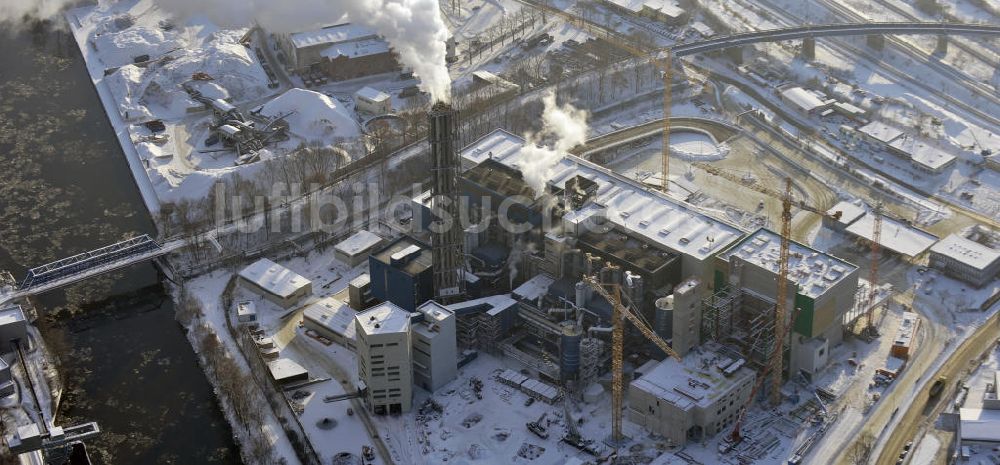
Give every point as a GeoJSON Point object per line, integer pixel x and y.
{"type": "Point", "coordinates": [355, 249]}
{"type": "Point", "coordinates": [896, 236]}
{"type": "Point", "coordinates": [13, 326]}
{"type": "Point", "coordinates": [922, 156]}
{"type": "Point", "coordinates": [274, 282]}
{"type": "Point", "coordinates": [374, 102]}
{"type": "Point", "coordinates": [332, 319]}
{"type": "Point", "coordinates": [384, 358]}
{"type": "Point", "coordinates": [879, 134]}
{"type": "Point", "coordinates": [965, 259]}
{"type": "Point", "coordinates": [435, 350]}
{"type": "Point", "coordinates": [693, 399]}
{"type": "Point", "coordinates": [342, 51]}
{"type": "Point", "coordinates": [246, 312]}
{"type": "Point", "coordinates": [821, 292]}
{"type": "Point", "coordinates": [666, 11]}
{"type": "Point", "coordinates": [623, 202]}
{"type": "Point", "coordinates": [804, 100]}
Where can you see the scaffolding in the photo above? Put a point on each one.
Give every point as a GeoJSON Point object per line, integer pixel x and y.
{"type": "Point", "coordinates": [593, 357]}
{"type": "Point", "coordinates": [488, 333]}
{"type": "Point", "coordinates": [744, 320]}
{"type": "Point", "coordinates": [468, 331]}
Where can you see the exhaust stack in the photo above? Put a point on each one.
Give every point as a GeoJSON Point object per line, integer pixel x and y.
{"type": "Point", "coordinates": [446, 232]}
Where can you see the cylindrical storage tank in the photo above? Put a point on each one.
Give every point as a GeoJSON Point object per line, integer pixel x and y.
{"type": "Point", "coordinates": [569, 357]}
{"type": "Point", "coordinates": [663, 322]}
{"type": "Point", "coordinates": [581, 294]}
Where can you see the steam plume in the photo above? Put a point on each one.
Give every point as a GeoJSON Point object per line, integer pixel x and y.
{"type": "Point", "coordinates": [413, 28]}
{"type": "Point", "coordinates": [567, 125]}
{"type": "Point", "coordinates": [13, 11]}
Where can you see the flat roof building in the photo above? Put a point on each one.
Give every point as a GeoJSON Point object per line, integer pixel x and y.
{"type": "Point", "coordinates": [922, 156]}
{"type": "Point", "coordinates": [659, 220]}
{"type": "Point", "coordinates": [821, 291]}
{"type": "Point", "coordinates": [804, 100]}
{"type": "Point", "coordinates": [666, 11]}
{"type": "Point", "coordinates": [13, 326]}
{"type": "Point", "coordinates": [879, 133]}
{"type": "Point", "coordinates": [979, 427]}
{"type": "Point", "coordinates": [385, 362]}
{"type": "Point", "coordinates": [355, 249]}
{"type": "Point", "coordinates": [274, 282]}
{"type": "Point", "coordinates": [903, 342]}
{"type": "Point", "coordinates": [332, 319]}
{"type": "Point", "coordinates": [401, 273]}
{"type": "Point", "coordinates": [287, 371]}
{"type": "Point", "coordinates": [966, 260]}
{"type": "Point", "coordinates": [435, 346]}
{"type": "Point", "coordinates": [693, 399]}
{"type": "Point", "coordinates": [372, 101]}
{"type": "Point", "coordinates": [342, 51]}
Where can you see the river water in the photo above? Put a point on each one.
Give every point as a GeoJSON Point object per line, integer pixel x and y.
{"type": "Point", "coordinates": [65, 188]}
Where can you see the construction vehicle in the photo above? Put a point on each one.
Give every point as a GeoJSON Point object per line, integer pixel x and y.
{"type": "Point", "coordinates": [368, 453]}
{"type": "Point", "coordinates": [619, 311]}
{"type": "Point", "coordinates": [537, 427]}
{"type": "Point", "coordinates": [573, 436]}
{"type": "Point", "coordinates": [937, 387]}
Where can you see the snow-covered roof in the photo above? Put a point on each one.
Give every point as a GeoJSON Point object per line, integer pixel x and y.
{"type": "Point", "coordinates": [895, 236]}
{"type": "Point", "coordinates": [803, 99]}
{"type": "Point", "coordinates": [331, 35]}
{"type": "Point", "coordinates": [849, 108]}
{"type": "Point", "coordinates": [880, 131]}
{"type": "Point", "coordinates": [849, 212]}
{"type": "Point", "coordinates": [534, 288]}
{"type": "Point", "coordinates": [434, 312]}
{"type": "Point", "coordinates": [979, 424]}
{"type": "Point", "coordinates": [511, 377]}
{"type": "Point", "coordinates": [333, 314]}
{"type": "Point", "coordinates": [697, 380]}
{"type": "Point", "coordinates": [922, 153]}
{"type": "Point", "coordinates": [371, 94]}
{"type": "Point", "coordinates": [907, 326]}
{"type": "Point", "coordinates": [246, 308]}
{"type": "Point", "coordinates": [274, 278]}
{"type": "Point", "coordinates": [627, 203]}
{"type": "Point", "coordinates": [495, 303]}
{"type": "Point", "coordinates": [356, 48]}
{"type": "Point", "coordinates": [314, 116]}
{"type": "Point", "coordinates": [813, 271]}
{"type": "Point", "coordinates": [385, 318]}
{"type": "Point", "coordinates": [11, 314]}
{"type": "Point", "coordinates": [666, 7]}
{"type": "Point", "coordinates": [360, 242]}
{"type": "Point", "coordinates": [284, 368]}
{"type": "Point", "coordinates": [703, 29]}
{"type": "Point", "coordinates": [966, 251]}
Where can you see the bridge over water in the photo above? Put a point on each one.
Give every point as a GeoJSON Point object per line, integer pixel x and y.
{"type": "Point", "coordinates": [88, 264]}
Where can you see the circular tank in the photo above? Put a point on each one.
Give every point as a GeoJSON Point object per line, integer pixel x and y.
{"type": "Point", "coordinates": [569, 348]}
{"type": "Point", "coordinates": [663, 322]}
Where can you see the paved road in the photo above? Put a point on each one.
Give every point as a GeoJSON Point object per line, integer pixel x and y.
{"type": "Point", "coordinates": [954, 368]}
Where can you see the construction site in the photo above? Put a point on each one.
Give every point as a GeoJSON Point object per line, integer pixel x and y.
{"type": "Point", "coordinates": [619, 232]}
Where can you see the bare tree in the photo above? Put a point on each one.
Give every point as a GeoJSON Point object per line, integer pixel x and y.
{"type": "Point", "coordinates": [861, 449]}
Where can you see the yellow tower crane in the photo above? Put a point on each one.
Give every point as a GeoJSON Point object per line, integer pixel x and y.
{"type": "Point", "coordinates": [776, 364]}
{"type": "Point", "coordinates": [876, 249]}
{"type": "Point", "coordinates": [618, 312]}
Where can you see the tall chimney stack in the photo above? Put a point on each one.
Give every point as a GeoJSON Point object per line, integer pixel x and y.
{"type": "Point", "coordinates": [446, 236]}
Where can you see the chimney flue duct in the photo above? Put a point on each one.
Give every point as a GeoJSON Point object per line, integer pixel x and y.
{"type": "Point", "coordinates": [446, 232]}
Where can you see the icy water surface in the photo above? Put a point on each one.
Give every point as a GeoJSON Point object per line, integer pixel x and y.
{"type": "Point", "coordinates": [65, 188]}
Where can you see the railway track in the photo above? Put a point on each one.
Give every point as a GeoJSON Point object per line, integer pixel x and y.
{"type": "Point", "coordinates": [916, 52]}
{"type": "Point", "coordinates": [960, 44]}
{"type": "Point", "coordinates": [897, 74]}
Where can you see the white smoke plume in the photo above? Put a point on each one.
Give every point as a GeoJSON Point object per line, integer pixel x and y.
{"type": "Point", "coordinates": [567, 126]}
{"type": "Point", "coordinates": [14, 11]}
{"type": "Point", "coordinates": [413, 28]}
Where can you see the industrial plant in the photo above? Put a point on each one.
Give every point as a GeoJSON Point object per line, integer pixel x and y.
{"type": "Point", "coordinates": [584, 232]}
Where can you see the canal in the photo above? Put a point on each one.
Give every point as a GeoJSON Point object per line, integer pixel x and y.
{"type": "Point", "coordinates": [65, 189]}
